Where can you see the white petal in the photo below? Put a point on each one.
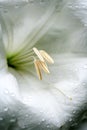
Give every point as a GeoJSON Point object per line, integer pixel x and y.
{"type": "Point", "coordinates": [9, 98]}
{"type": "Point", "coordinates": [27, 22]}
{"type": "Point", "coordinates": [66, 34]}
{"type": "Point", "coordinates": [30, 22]}
{"type": "Point", "coordinates": [79, 10]}
{"type": "Point", "coordinates": [44, 98]}
{"type": "Point", "coordinates": [3, 64]}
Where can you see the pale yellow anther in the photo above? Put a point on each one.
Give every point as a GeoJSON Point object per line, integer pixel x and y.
{"type": "Point", "coordinates": [37, 66]}
{"type": "Point", "coordinates": [44, 67]}
{"type": "Point", "coordinates": [46, 56]}
{"type": "Point", "coordinates": [38, 54]}
{"type": "Point", "coordinates": [40, 62]}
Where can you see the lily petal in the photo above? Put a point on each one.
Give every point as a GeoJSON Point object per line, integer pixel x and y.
{"type": "Point", "coordinates": [67, 33]}
{"type": "Point", "coordinates": [3, 62]}
{"type": "Point", "coordinates": [27, 29]}
{"type": "Point", "coordinates": [68, 76]}
{"type": "Point", "coordinates": [79, 10]}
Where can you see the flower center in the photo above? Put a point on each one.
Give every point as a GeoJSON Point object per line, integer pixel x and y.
{"type": "Point", "coordinates": [33, 56]}
{"type": "Point", "coordinates": [38, 58]}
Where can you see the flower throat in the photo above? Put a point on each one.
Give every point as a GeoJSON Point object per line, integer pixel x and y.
{"type": "Point", "coordinates": [38, 58]}
{"type": "Point", "coordinates": [34, 56]}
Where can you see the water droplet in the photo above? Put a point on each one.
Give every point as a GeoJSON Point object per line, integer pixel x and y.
{"type": "Point", "coordinates": [76, 69]}
{"type": "Point", "coordinates": [52, 116]}
{"type": "Point", "coordinates": [43, 120]}
{"type": "Point", "coordinates": [27, 115]}
{"type": "Point", "coordinates": [6, 91]}
{"type": "Point", "coordinates": [27, 1]}
{"type": "Point", "coordinates": [48, 126]}
{"type": "Point", "coordinates": [5, 11]}
{"type": "Point", "coordinates": [22, 124]}
{"type": "Point", "coordinates": [74, 124]}
{"type": "Point", "coordinates": [74, 112]}
{"type": "Point", "coordinates": [39, 123]}
{"type": "Point", "coordinates": [23, 127]}
{"type": "Point", "coordinates": [41, 111]}
{"type": "Point", "coordinates": [31, 1]}
{"type": "Point", "coordinates": [85, 66]}
{"type": "Point", "coordinates": [1, 7]}
{"type": "Point", "coordinates": [70, 119]}
{"type": "Point", "coordinates": [13, 116]}
{"type": "Point", "coordinates": [12, 120]}
{"type": "Point", "coordinates": [1, 118]}
{"type": "Point", "coordinates": [12, 94]}
{"type": "Point", "coordinates": [83, 83]}
{"type": "Point", "coordinates": [41, 1]}
{"type": "Point", "coordinates": [6, 109]}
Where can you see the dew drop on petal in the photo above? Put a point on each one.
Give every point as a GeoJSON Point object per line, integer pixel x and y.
{"type": "Point", "coordinates": [39, 123]}
{"type": "Point", "coordinates": [5, 11]}
{"type": "Point", "coordinates": [52, 116]}
{"type": "Point", "coordinates": [6, 109]}
{"type": "Point", "coordinates": [13, 116]}
{"type": "Point", "coordinates": [43, 120]}
{"type": "Point", "coordinates": [12, 94]}
{"type": "Point", "coordinates": [41, 1]}
{"type": "Point", "coordinates": [70, 119]}
{"type": "Point", "coordinates": [85, 66]}
{"type": "Point", "coordinates": [1, 7]}
{"type": "Point", "coordinates": [74, 124]}
{"type": "Point", "coordinates": [31, 1]}
{"type": "Point", "coordinates": [84, 84]}
{"type": "Point", "coordinates": [48, 126]}
{"type": "Point", "coordinates": [1, 118]}
{"type": "Point", "coordinates": [27, 115]}
{"type": "Point", "coordinates": [74, 112]}
{"type": "Point", "coordinates": [6, 92]}
{"type": "Point", "coordinates": [16, 6]}
{"type": "Point", "coordinates": [12, 120]}
{"type": "Point", "coordinates": [76, 70]}
{"type": "Point", "coordinates": [22, 124]}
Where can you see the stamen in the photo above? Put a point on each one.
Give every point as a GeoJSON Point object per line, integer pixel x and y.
{"type": "Point", "coordinates": [37, 66]}
{"type": "Point", "coordinates": [40, 62]}
{"type": "Point", "coordinates": [46, 56]}
{"type": "Point", "coordinates": [34, 56]}
{"type": "Point", "coordinates": [24, 60]}
{"type": "Point", "coordinates": [38, 54]}
{"type": "Point", "coordinates": [44, 67]}
{"type": "Point", "coordinates": [18, 57]}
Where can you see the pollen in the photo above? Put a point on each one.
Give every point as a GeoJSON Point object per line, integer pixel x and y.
{"type": "Point", "coordinates": [40, 62]}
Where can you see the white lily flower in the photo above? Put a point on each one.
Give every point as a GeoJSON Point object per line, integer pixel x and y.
{"type": "Point", "coordinates": [34, 94]}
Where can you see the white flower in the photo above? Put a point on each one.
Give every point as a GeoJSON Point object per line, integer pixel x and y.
{"type": "Point", "coordinates": [30, 31]}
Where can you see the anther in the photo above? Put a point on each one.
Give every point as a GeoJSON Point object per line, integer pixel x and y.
{"type": "Point", "coordinates": [46, 56]}
{"type": "Point", "coordinates": [44, 67]}
{"type": "Point", "coordinates": [40, 62]}
{"type": "Point", "coordinates": [38, 54]}
{"type": "Point", "coordinates": [37, 66]}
